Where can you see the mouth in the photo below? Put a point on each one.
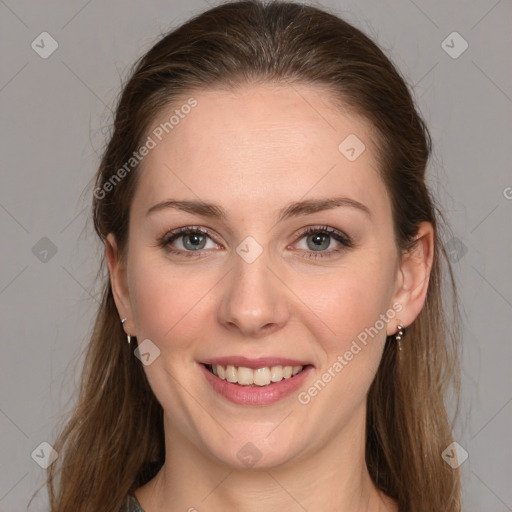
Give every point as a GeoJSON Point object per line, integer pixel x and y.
{"type": "Point", "coordinates": [257, 377]}
{"type": "Point", "coordinates": [256, 382]}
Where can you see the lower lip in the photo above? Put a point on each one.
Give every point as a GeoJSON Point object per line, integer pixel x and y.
{"type": "Point", "coordinates": [257, 395]}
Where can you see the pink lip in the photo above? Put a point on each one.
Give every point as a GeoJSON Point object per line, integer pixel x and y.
{"type": "Point", "coordinates": [255, 395]}
{"type": "Point", "coordinates": [260, 362]}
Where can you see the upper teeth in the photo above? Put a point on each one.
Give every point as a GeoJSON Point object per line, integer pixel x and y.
{"type": "Point", "coordinates": [260, 377]}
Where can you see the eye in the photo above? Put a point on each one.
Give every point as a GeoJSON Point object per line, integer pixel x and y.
{"type": "Point", "coordinates": [190, 240]}
{"type": "Point", "coordinates": [185, 240]}
{"type": "Point", "coordinates": [320, 238]}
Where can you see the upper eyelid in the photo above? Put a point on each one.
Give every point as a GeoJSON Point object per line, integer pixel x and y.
{"type": "Point", "coordinates": [179, 232]}
{"type": "Point", "coordinates": [176, 233]}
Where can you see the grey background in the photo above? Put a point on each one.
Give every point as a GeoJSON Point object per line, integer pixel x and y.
{"type": "Point", "coordinates": [54, 120]}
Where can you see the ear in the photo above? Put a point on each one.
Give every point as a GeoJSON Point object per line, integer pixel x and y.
{"type": "Point", "coordinates": [117, 271]}
{"type": "Point", "coordinates": [413, 277]}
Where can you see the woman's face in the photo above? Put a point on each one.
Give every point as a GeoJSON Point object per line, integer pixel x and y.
{"type": "Point", "coordinates": [247, 287]}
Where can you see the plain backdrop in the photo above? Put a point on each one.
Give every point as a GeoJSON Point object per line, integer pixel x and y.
{"type": "Point", "coordinates": [55, 116]}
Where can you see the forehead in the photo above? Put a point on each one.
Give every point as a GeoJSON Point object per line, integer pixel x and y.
{"type": "Point", "coordinates": [260, 145]}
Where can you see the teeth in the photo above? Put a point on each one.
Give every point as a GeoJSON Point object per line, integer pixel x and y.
{"type": "Point", "coordinates": [296, 369]}
{"type": "Point", "coordinates": [245, 376]}
{"type": "Point", "coordinates": [276, 373]}
{"type": "Point", "coordinates": [231, 373]}
{"type": "Point", "coordinates": [259, 377]}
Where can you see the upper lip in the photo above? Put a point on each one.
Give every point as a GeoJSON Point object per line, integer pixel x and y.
{"type": "Point", "coordinates": [259, 362]}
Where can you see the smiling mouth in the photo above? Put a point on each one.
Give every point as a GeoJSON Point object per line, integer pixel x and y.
{"type": "Point", "coordinates": [259, 377]}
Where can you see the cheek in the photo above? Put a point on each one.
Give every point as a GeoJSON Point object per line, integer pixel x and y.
{"type": "Point", "coordinates": [348, 302]}
{"type": "Point", "coordinates": [164, 300]}
{"type": "Point", "coordinates": [355, 309]}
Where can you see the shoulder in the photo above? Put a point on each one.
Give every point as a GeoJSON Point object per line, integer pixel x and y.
{"type": "Point", "coordinates": [131, 504]}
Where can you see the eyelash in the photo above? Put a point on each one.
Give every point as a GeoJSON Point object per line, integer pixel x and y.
{"type": "Point", "coordinates": [345, 241]}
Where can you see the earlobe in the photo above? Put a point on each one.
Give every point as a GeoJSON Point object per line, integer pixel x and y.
{"type": "Point", "coordinates": [414, 274]}
{"type": "Point", "coordinates": [117, 274]}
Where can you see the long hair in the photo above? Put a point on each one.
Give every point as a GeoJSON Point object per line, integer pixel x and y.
{"type": "Point", "coordinates": [114, 439]}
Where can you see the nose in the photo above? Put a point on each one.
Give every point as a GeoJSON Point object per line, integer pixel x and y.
{"type": "Point", "coordinates": [255, 300]}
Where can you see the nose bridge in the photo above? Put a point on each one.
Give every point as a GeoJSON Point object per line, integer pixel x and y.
{"type": "Point", "coordinates": [253, 299]}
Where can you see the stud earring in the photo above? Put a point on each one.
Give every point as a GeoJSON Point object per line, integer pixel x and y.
{"type": "Point", "coordinates": [399, 334]}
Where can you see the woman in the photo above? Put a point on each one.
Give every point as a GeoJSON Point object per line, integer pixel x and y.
{"type": "Point", "coordinates": [269, 239]}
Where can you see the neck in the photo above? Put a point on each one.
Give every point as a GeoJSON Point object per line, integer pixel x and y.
{"type": "Point", "coordinates": [315, 481]}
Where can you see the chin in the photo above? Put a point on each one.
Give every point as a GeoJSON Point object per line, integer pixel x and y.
{"type": "Point", "coordinates": [249, 451]}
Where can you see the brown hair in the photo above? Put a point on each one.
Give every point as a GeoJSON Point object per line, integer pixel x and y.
{"type": "Point", "coordinates": [114, 441]}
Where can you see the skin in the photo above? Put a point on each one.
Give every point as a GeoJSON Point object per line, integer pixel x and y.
{"type": "Point", "coordinates": [253, 151]}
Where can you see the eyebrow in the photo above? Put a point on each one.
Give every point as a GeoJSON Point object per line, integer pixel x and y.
{"type": "Point", "coordinates": [295, 209]}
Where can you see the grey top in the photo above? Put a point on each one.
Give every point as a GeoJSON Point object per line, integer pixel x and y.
{"type": "Point", "coordinates": [131, 504]}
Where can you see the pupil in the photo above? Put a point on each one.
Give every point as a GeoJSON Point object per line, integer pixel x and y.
{"type": "Point", "coordinates": [317, 240]}
{"type": "Point", "coordinates": [196, 239]}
